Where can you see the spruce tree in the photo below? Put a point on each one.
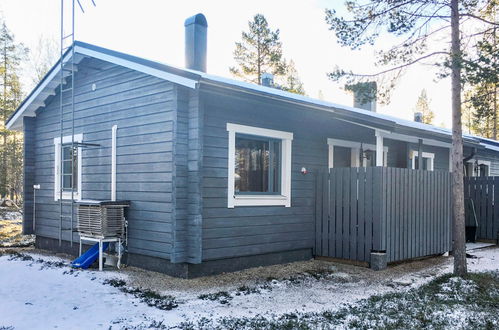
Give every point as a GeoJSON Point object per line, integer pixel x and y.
{"type": "Point", "coordinates": [291, 81]}
{"type": "Point", "coordinates": [423, 106]}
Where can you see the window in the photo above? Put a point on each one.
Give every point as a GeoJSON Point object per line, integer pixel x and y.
{"type": "Point", "coordinates": [69, 159]}
{"type": "Point", "coordinates": [259, 166]}
{"type": "Point", "coordinates": [63, 161]}
{"type": "Point", "coordinates": [476, 167]}
{"type": "Point", "coordinates": [343, 153]}
{"type": "Point", "coordinates": [428, 161]}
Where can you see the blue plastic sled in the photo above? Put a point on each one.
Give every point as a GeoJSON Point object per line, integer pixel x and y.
{"type": "Point", "coordinates": [86, 259]}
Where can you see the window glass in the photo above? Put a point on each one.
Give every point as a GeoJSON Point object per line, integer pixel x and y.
{"type": "Point", "coordinates": [257, 165]}
{"type": "Point", "coordinates": [483, 170]}
{"type": "Point", "coordinates": [342, 156]}
{"type": "Point", "coordinates": [426, 163]}
{"type": "Point", "coordinates": [69, 157]}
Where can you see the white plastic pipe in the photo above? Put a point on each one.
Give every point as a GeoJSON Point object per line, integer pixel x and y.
{"type": "Point", "coordinates": [113, 163]}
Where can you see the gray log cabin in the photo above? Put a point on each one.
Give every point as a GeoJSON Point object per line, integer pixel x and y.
{"type": "Point", "coordinates": [221, 174]}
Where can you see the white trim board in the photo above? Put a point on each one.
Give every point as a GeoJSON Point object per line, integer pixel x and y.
{"type": "Point", "coordinates": [355, 150]}
{"type": "Point", "coordinates": [427, 155]}
{"type": "Point", "coordinates": [259, 200]}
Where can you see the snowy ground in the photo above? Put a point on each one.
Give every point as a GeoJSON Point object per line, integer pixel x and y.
{"type": "Point", "coordinates": [40, 291]}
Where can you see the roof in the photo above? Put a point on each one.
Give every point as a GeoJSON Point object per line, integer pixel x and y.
{"type": "Point", "coordinates": [194, 79]}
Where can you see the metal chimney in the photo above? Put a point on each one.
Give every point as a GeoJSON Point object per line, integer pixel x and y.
{"type": "Point", "coordinates": [267, 79]}
{"type": "Point", "coordinates": [418, 117]}
{"type": "Point", "coordinates": [196, 42]}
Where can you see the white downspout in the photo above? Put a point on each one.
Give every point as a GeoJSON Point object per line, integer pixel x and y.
{"type": "Point", "coordinates": [113, 163]}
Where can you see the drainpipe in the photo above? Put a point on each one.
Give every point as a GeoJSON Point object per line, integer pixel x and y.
{"type": "Point", "coordinates": [473, 153]}
{"type": "Point", "coordinates": [465, 159]}
{"type": "Point", "coordinates": [420, 154]}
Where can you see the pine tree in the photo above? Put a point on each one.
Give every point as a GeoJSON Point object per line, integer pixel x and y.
{"type": "Point", "coordinates": [11, 55]}
{"type": "Point", "coordinates": [259, 51]}
{"type": "Point", "coordinates": [415, 24]}
{"type": "Point", "coordinates": [423, 106]}
{"type": "Point", "coordinates": [291, 81]}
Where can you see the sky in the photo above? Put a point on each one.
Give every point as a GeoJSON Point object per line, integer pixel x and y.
{"type": "Point", "coordinates": [154, 29]}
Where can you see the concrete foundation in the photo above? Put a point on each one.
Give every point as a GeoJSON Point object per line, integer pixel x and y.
{"type": "Point", "coordinates": [186, 270]}
{"type": "Point", "coordinates": [378, 260]}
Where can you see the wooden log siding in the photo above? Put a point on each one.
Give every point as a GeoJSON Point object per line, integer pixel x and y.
{"type": "Point", "coordinates": [483, 193]}
{"type": "Point", "coordinates": [405, 212]}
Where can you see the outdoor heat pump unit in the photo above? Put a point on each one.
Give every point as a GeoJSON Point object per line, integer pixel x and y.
{"type": "Point", "coordinates": [101, 219]}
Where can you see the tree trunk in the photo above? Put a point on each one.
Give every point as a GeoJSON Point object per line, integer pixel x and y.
{"type": "Point", "coordinates": [459, 246]}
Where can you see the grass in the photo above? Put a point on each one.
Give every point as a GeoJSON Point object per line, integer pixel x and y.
{"type": "Point", "coordinates": [222, 297]}
{"type": "Point", "coordinates": [471, 302]}
{"type": "Point", "coordinates": [151, 298]}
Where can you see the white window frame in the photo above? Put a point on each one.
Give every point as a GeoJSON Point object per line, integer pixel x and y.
{"type": "Point", "coordinates": [284, 199]}
{"type": "Point", "coordinates": [429, 155]}
{"type": "Point", "coordinates": [355, 150]}
{"type": "Point", "coordinates": [57, 167]}
{"type": "Point", "coordinates": [479, 162]}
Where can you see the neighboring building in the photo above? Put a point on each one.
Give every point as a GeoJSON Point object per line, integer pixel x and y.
{"type": "Point", "coordinates": [220, 173]}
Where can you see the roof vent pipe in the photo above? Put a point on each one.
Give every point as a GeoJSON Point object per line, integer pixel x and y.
{"type": "Point", "coordinates": [267, 79]}
{"type": "Point", "coordinates": [418, 117]}
{"type": "Point", "coordinates": [196, 42]}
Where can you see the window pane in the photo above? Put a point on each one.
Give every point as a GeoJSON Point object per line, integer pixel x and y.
{"type": "Point", "coordinates": [342, 157]}
{"type": "Point", "coordinates": [257, 165]}
{"type": "Point", "coordinates": [66, 152]}
{"type": "Point", "coordinates": [66, 167]}
{"type": "Point", "coordinates": [68, 182]}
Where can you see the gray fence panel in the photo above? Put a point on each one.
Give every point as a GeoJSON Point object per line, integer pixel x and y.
{"type": "Point", "coordinates": [401, 211]}
{"type": "Point", "coordinates": [483, 194]}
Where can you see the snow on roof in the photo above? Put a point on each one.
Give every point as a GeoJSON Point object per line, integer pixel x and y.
{"type": "Point", "coordinates": [186, 76]}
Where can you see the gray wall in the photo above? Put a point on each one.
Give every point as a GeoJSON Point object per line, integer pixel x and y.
{"type": "Point", "coordinates": [143, 107]}
{"type": "Point", "coordinates": [187, 178]}
{"type": "Point", "coordinates": [441, 161]}
{"type": "Point", "coordinates": [28, 173]}
{"type": "Point", "coordinates": [256, 230]}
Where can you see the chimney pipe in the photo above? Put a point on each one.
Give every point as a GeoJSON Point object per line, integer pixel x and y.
{"type": "Point", "coordinates": [267, 79]}
{"type": "Point", "coordinates": [418, 117]}
{"type": "Point", "coordinates": [364, 95]}
{"type": "Point", "coordinates": [196, 42]}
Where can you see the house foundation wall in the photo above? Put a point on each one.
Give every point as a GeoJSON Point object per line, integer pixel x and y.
{"type": "Point", "coordinates": [186, 270]}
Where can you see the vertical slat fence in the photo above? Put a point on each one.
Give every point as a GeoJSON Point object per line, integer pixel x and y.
{"type": "Point", "coordinates": [481, 198]}
{"type": "Point", "coordinates": [405, 213]}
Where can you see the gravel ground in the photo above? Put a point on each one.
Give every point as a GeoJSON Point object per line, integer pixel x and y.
{"type": "Point", "coordinates": [336, 271]}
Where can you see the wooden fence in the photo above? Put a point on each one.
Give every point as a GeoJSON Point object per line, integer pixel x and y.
{"type": "Point", "coordinates": [481, 197]}
{"type": "Point", "coordinates": [406, 213]}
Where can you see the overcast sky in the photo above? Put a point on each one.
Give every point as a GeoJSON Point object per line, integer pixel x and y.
{"type": "Point", "coordinates": [154, 29]}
